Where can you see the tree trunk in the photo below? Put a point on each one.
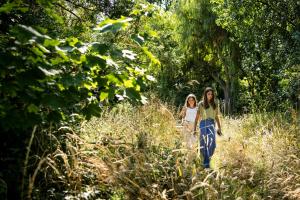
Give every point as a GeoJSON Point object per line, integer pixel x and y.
{"type": "Point", "coordinates": [227, 98]}
{"type": "Point", "coordinates": [226, 86]}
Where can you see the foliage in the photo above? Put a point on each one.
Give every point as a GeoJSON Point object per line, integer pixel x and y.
{"type": "Point", "coordinates": [159, 28]}
{"type": "Point", "coordinates": [48, 79]}
{"type": "Point", "coordinates": [52, 81]}
{"type": "Point", "coordinates": [59, 68]}
{"type": "Point", "coordinates": [268, 34]}
{"type": "Point", "coordinates": [134, 152]}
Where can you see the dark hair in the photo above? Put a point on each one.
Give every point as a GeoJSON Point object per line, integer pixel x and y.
{"type": "Point", "coordinates": [205, 102]}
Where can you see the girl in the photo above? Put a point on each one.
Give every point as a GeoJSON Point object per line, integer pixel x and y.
{"type": "Point", "coordinates": [208, 114]}
{"type": "Point", "coordinates": [188, 114]}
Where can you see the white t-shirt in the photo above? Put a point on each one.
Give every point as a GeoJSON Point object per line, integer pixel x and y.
{"type": "Point", "coordinates": [190, 114]}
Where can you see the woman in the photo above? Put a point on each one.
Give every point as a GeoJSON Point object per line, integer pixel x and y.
{"type": "Point", "coordinates": [188, 114]}
{"type": "Point", "coordinates": [209, 115]}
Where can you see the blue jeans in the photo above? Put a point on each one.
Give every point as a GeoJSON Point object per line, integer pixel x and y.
{"type": "Point", "coordinates": [207, 140]}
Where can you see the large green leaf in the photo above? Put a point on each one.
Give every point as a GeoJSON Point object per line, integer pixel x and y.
{"type": "Point", "coordinates": [113, 25]}
{"type": "Point", "coordinates": [138, 39]}
{"type": "Point", "coordinates": [99, 48]}
{"type": "Point", "coordinates": [92, 60]}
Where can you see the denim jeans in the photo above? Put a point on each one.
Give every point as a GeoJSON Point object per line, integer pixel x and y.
{"type": "Point", "coordinates": [207, 140]}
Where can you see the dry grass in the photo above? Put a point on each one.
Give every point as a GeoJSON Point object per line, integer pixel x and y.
{"type": "Point", "coordinates": [262, 156]}
{"type": "Point", "coordinates": [137, 153]}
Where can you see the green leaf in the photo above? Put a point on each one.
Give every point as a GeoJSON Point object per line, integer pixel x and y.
{"type": "Point", "coordinates": [103, 95]}
{"type": "Point", "coordinates": [128, 83]}
{"type": "Point", "coordinates": [99, 48]}
{"type": "Point", "coordinates": [90, 85]}
{"type": "Point", "coordinates": [112, 63]}
{"type": "Point", "coordinates": [44, 50]}
{"type": "Point", "coordinates": [133, 94]}
{"type": "Point", "coordinates": [208, 57]}
{"type": "Point", "coordinates": [113, 79]}
{"type": "Point", "coordinates": [150, 78]}
{"type": "Point", "coordinates": [54, 101]}
{"type": "Point", "coordinates": [51, 42]}
{"type": "Point", "coordinates": [113, 25]}
{"type": "Point", "coordinates": [50, 72]}
{"type": "Point", "coordinates": [138, 39]}
{"type": "Point", "coordinates": [61, 53]}
{"type": "Point", "coordinates": [8, 7]}
{"type": "Point", "coordinates": [33, 32]}
{"type": "Point", "coordinates": [72, 41]}
{"type": "Point", "coordinates": [32, 108]}
{"type": "Point", "coordinates": [57, 60]}
{"type": "Point", "coordinates": [92, 109]}
{"type": "Point", "coordinates": [36, 88]}
{"type": "Point", "coordinates": [37, 51]}
{"type": "Point", "coordinates": [151, 56]}
{"type": "Point", "coordinates": [92, 60]}
{"type": "Point", "coordinates": [128, 54]}
{"type": "Point", "coordinates": [54, 15]}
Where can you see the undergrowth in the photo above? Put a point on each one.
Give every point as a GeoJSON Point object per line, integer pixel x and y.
{"type": "Point", "coordinates": [137, 153]}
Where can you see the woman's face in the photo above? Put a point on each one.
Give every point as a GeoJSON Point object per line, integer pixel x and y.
{"type": "Point", "coordinates": [191, 102]}
{"type": "Point", "coordinates": [209, 95]}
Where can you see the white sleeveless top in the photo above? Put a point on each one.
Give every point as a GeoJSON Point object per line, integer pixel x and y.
{"type": "Point", "coordinates": [190, 114]}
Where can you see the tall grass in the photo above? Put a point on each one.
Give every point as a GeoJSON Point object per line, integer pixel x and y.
{"type": "Point", "coordinates": [137, 153]}
{"type": "Point", "coordinates": [261, 155]}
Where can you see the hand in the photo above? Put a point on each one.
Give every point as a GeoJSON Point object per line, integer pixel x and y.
{"type": "Point", "coordinates": [219, 132]}
{"type": "Point", "coordinates": [195, 133]}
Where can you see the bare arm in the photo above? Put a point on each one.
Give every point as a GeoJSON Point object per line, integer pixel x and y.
{"type": "Point", "coordinates": [218, 123]}
{"type": "Point", "coordinates": [196, 120]}
{"type": "Point", "coordinates": [183, 112]}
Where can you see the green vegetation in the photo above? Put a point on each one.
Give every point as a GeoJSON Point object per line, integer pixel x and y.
{"type": "Point", "coordinates": [132, 152]}
{"type": "Point", "coordinates": [89, 94]}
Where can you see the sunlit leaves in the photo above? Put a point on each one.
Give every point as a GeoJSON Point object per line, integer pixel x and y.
{"type": "Point", "coordinates": [10, 6]}
{"type": "Point", "coordinates": [150, 78]}
{"type": "Point", "coordinates": [264, 31]}
{"type": "Point", "coordinates": [68, 75]}
{"type": "Point", "coordinates": [51, 42]}
{"type": "Point", "coordinates": [53, 77]}
{"type": "Point", "coordinates": [152, 58]}
{"type": "Point", "coordinates": [128, 54]}
{"type": "Point", "coordinates": [50, 72]}
{"type": "Point", "coordinates": [30, 32]}
{"type": "Point", "coordinates": [103, 95]}
{"type": "Point", "coordinates": [113, 25]}
{"type": "Point", "coordinates": [138, 39]}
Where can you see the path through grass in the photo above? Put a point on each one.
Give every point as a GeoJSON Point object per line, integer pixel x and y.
{"type": "Point", "coordinates": [137, 153]}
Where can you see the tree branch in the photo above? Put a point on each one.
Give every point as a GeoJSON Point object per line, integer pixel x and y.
{"type": "Point", "coordinates": [80, 6]}
{"type": "Point", "coordinates": [66, 9]}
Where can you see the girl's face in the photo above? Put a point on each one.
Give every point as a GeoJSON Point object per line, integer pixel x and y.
{"type": "Point", "coordinates": [191, 102]}
{"type": "Point", "coordinates": [209, 96]}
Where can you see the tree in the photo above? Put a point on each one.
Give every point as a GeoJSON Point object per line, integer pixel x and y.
{"type": "Point", "coordinates": [51, 80]}
{"type": "Point", "coordinates": [210, 46]}
{"type": "Point", "coordinates": [268, 34]}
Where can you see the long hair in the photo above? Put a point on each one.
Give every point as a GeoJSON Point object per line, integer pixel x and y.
{"type": "Point", "coordinates": [187, 98]}
{"type": "Point", "coordinates": [205, 102]}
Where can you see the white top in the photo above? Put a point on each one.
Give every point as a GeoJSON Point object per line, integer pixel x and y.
{"type": "Point", "coordinates": [190, 114]}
